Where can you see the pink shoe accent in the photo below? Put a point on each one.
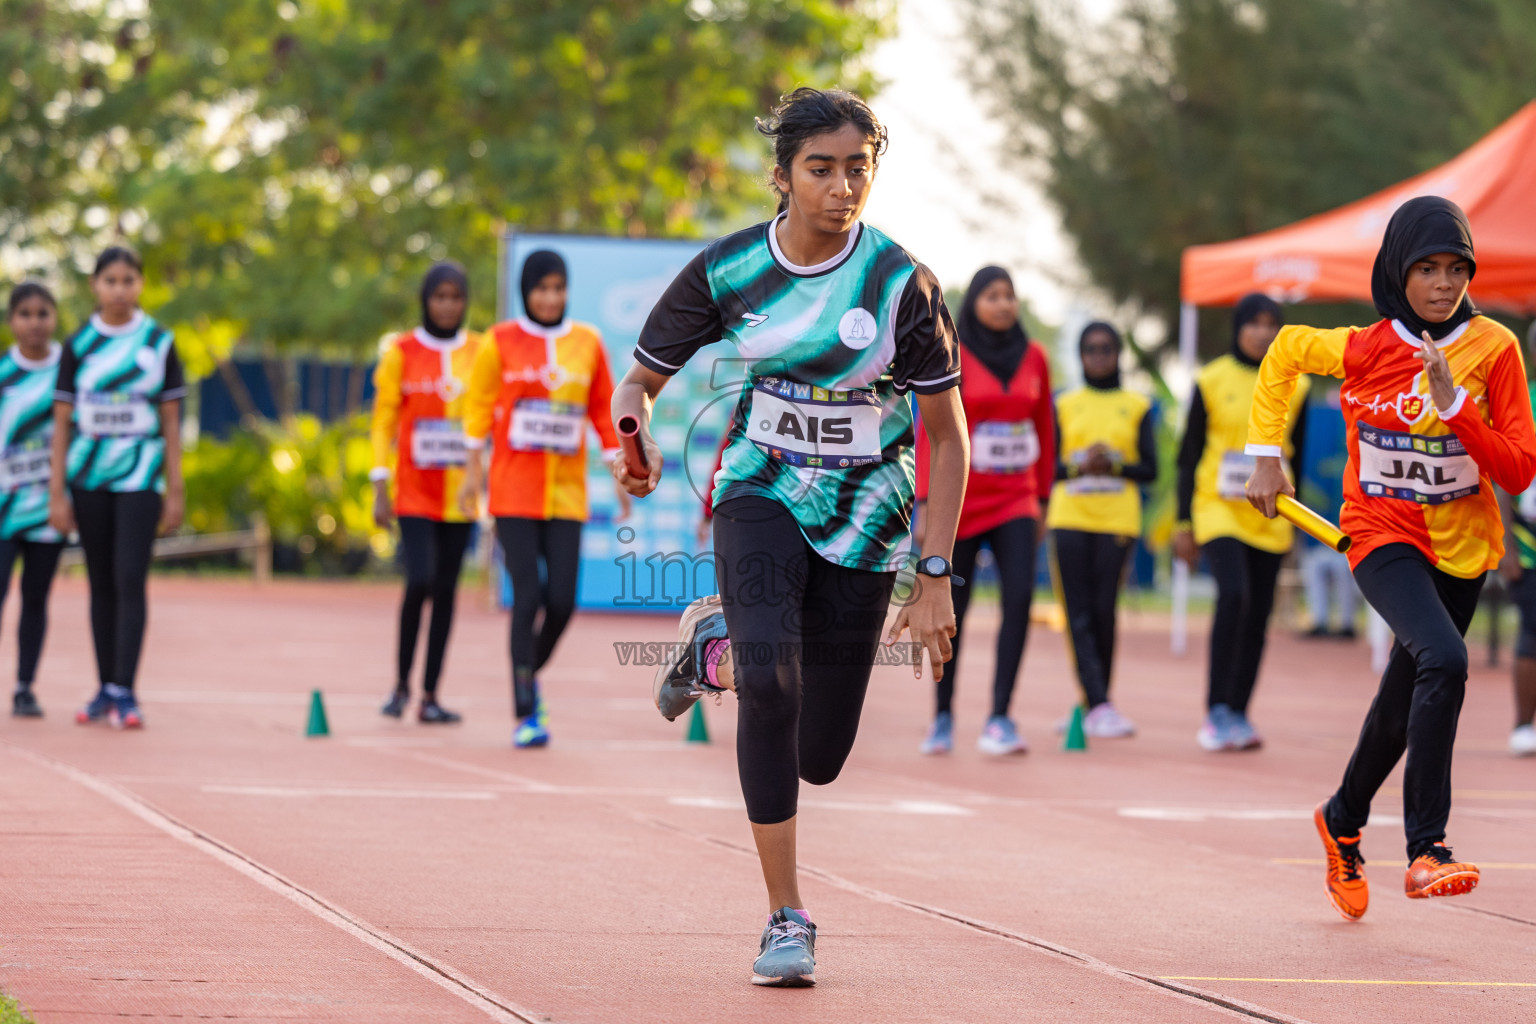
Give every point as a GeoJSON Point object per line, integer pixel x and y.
{"type": "Point", "coordinates": [714, 654]}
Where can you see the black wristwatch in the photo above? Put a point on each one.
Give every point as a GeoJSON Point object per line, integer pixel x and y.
{"type": "Point", "coordinates": [938, 565]}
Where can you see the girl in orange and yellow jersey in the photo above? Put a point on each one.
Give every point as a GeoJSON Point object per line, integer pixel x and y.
{"type": "Point", "coordinates": [1436, 413]}
{"type": "Point", "coordinates": [417, 412]}
{"type": "Point", "coordinates": [537, 383]}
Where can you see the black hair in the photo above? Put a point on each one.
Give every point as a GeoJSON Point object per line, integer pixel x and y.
{"type": "Point", "coordinates": [118, 254]}
{"type": "Point", "coordinates": [807, 112]}
{"type": "Point", "coordinates": [30, 290]}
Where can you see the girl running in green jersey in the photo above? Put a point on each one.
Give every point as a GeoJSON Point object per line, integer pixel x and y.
{"type": "Point", "coordinates": [117, 468]}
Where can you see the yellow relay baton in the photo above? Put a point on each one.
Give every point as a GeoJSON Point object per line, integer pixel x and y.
{"type": "Point", "coordinates": [1304, 519]}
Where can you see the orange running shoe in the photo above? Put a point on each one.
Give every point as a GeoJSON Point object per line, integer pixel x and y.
{"type": "Point", "coordinates": [1436, 873]}
{"type": "Point", "coordinates": [1346, 885]}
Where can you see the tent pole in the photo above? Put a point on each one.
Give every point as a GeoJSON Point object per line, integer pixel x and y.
{"type": "Point", "coordinates": [1178, 639]}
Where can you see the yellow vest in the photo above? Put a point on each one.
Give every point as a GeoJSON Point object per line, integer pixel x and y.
{"type": "Point", "coordinates": [1220, 508]}
{"type": "Point", "coordinates": [1098, 504]}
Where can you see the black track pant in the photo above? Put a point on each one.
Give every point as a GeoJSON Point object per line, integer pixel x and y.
{"type": "Point", "coordinates": [542, 557]}
{"type": "Point", "coordinates": [1089, 568]}
{"type": "Point", "coordinates": [1245, 595]}
{"type": "Point", "coordinates": [1419, 700]}
{"type": "Point", "coordinates": [39, 561]}
{"type": "Point", "coordinates": [117, 534]}
{"type": "Point", "coordinates": [803, 641]}
{"type": "Point", "coordinates": [431, 553]}
{"type": "Point", "coordinates": [1013, 547]}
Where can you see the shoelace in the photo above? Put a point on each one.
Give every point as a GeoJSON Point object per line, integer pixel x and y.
{"type": "Point", "coordinates": [1440, 854]}
{"type": "Point", "coordinates": [1350, 860]}
{"type": "Point", "coordinates": [786, 931]}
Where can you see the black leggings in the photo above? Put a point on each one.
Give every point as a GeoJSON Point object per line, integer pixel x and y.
{"type": "Point", "coordinates": [1013, 547]}
{"type": "Point", "coordinates": [432, 553]}
{"type": "Point", "coordinates": [803, 641]}
{"type": "Point", "coordinates": [1245, 595]}
{"type": "Point", "coordinates": [39, 561]}
{"type": "Point", "coordinates": [1089, 567]}
{"type": "Point", "coordinates": [1419, 699]}
{"type": "Point", "coordinates": [542, 557]}
{"type": "Point", "coordinates": [117, 534]}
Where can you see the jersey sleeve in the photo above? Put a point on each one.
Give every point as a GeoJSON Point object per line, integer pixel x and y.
{"type": "Point", "coordinates": [384, 424]}
{"type": "Point", "coordinates": [1505, 449]}
{"type": "Point", "coordinates": [1296, 351]}
{"type": "Point", "coordinates": [600, 403]}
{"type": "Point", "coordinates": [685, 320]}
{"type": "Point", "coordinates": [1144, 469]}
{"type": "Point", "coordinates": [1191, 450]}
{"type": "Point", "coordinates": [1045, 427]}
{"type": "Point", "coordinates": [480, 397]}
{"type": "Point", "coordinates": [64, 384]}
{"type": "Point", "coordinates": [173, 384]}
{"type": "Point", "coordinates": [927, 349]}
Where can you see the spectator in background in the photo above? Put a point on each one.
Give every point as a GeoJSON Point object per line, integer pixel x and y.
{"type": "Point", "coordinates": [1330, 585]}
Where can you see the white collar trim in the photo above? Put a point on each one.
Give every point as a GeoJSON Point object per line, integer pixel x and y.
{"type": "Point", "coordinates": [824, 265]}
{"type": "Point", "coordinates": [439, 344]}
{"type": "Point", "coordinates": [1407, 335]}
{"type": "Point", "coordinates": [117, 330]}
{"type": "Point", "coordinates": [48, 362]}
{"type": "Point", "coordinates": [538, 330]}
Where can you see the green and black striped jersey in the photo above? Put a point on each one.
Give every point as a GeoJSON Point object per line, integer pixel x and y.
{"type": "Point", "coordinates": [823, 424]}
{"type": "Point", "coordinates": [116, 377]}
{"type": "Point", "coordinates": [26, 438]}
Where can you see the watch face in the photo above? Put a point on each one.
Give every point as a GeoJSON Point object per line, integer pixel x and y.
{"type": "Point", "coordinates": [933, 565]}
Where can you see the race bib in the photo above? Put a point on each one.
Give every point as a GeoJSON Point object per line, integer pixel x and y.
{"type": "Point", "coordinates": [803, 425]}
{"type": "Point", "coordinates": [1414, 467]}
{"type": "Point", "coordinates": [25, 465]}
{"type": "Point", "coordinates": [116, 414]}
{"type": "Point", "coordinates": [539, 425]}
{"type": "Point", "coordinates": [1232, 476]}
{"type": "Point", "coordinates": [998, 446]}
{"type": "Point", "coordinates": [1526, 506]}
{"type": "Point", "coordinates": [437, 444]}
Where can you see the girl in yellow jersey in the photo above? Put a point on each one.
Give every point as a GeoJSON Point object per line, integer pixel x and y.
{"type": "Point", "coordinates": [418, 416]}
{"type": "Point", "coordinates": [537, 382]}
{"type": "Point", "coordinates": [1242, 548]}
{"type": "Point", "coordinates": [1105, 451]}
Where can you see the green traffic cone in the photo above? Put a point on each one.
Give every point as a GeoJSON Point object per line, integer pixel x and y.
{"type": "Point", "coordinates": [317, 726]}
{"type": "Point", "coordinates": [698, 731]}
{"type": "Point", "coordinates": [1075, 738]}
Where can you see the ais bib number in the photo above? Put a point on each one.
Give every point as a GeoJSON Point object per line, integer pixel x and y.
{"type": "Point", "coordinates": [539, 425]}
{"type": "Point", "coordinates": [998, 446]}
{"type": "Point", "coordinates": [809, 426]}
{"type": "Point", "coordinates": [437, 444]}
{"type": "Point", "coordinates": [25, 465]}
{"type": "Point", "coordinates": [115, 414]}
{"type": "Point", "coordinates": [1232, 476]}
{"type": "Point", "coordinates": [1415, 467]}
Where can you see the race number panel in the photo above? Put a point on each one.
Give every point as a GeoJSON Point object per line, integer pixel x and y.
{"type": "Point", "coordinates": [1430, 470]}
{"type": "Point", "coordinates": [1232, 476]}
{"type": "Point", "coordinates": [539, 425]}
{"type": "Point", "coordinates": [437, 444]}
{"type": "Point", "coordinates": [802, 425]}
{"type": "Point", "coordinates": [1000, 446]}
{"type": "Point", "coordinates": [116, 414]}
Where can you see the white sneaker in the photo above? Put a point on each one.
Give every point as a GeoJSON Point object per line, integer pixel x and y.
{"type": "Point", "coordinates": [1522, 742]}
{"type": "Point", "coordinates": [1105, 722]}
{"type": "Point", "coordinates": [1001, 738]}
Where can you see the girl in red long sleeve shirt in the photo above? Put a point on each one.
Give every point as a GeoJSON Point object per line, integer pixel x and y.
{"type": "Point", "coordinates": [1006, 391]}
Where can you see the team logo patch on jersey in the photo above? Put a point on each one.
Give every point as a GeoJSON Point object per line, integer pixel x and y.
{"type": "Point", "coordinates": [1410, 408]}
{"type": "Point", "coordinates": [857, 328]}
{"type": "Point", "coordinates": [146, 358]}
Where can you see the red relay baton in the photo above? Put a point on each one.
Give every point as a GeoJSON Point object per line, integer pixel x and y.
{"type": "Point", "coordinates": [635, 462]}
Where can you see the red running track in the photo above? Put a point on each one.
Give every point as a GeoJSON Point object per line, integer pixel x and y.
{"type": "Point", "coordinates": [218, 864]}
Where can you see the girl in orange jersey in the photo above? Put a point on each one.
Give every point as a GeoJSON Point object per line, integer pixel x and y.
{"type": "Point", "coordinates": [1437, 413]}
{"type": "Point", "coordinates": [417, 412]}
{"type": "Point", "coordinates": [536, 384]}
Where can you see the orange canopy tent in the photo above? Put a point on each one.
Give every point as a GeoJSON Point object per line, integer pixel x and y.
{"type": "Point", "coordinates": [1328, 257]}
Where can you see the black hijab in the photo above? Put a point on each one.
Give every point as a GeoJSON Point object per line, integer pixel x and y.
{"type": "Point", "coordinates": [1112, 382]}
{"type": "Point", "coordinates": [1423, 226]}
{"type": "Point", "coordinates": [1000, 351]}
{"type": "Point", "coordinates": [447, 270]}
{"type": "Point", "coordinates": [539, 265]}
{"type": "Point", "coordinates": [1249, 308]}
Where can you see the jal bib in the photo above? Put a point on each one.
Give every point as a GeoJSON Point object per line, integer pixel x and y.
{"type": "Point", "coordinates": [25, 465]}
{"type": "Point", "coordinates": [1232, 475]}
{"type": "Point", "coordinates": [115, 414]}
{"type": "Point", "coordinates": [1414, 467]}
{"type": "Point", "coordinates": [1000, 446]}
{"type": "Point", "coordinates": [802, 425]}
{"type": "Point", "coordinates": [540, 425]}
{"type": "Point", "coordinates": [437, 444]}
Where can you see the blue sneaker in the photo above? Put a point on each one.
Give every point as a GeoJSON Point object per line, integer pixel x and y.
{"type": "Point", "coordinates": [1216, 733]}
{"type": "Point", "coordinates": [125, 713]}
{"type": "Point", "coordinates": [788, 956]}
{"type": "Point", "coordinates": [97, 710]}
{"type": "Point", "coordinates": [1242, 732]}
{"type": "Point", "coordinates": [941, 735]}
{"type": "Point", "coordinates": [1000, 736]}
{"type": "Point", "coordinates": [533, 731]}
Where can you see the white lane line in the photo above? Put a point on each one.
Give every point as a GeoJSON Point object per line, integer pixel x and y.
{"type": "Point", "coordinates": [492, 1005]}
{"type": "Point", "coordinates": [387, 794]}
{"type": "Point", "coordinates": [1197, 814]}
{"type": "Point", "coordinates": [920, 807]}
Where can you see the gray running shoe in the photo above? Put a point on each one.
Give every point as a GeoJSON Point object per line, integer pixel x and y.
{"type": "Point", "coordinates": [789, 951]}
{"type": "Point", "coordinates": [680, 680]}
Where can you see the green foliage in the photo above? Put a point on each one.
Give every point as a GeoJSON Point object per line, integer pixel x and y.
{"type": "Point", "coordinates": [1181, 122]}
{"type": "Point", "coordinates": [11, 1011]}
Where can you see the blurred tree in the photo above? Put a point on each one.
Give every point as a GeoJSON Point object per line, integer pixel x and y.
{"type": "Point", "coordinates": [1170, 123]}
{"type": "Point", "coordinates": [290, 169]}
